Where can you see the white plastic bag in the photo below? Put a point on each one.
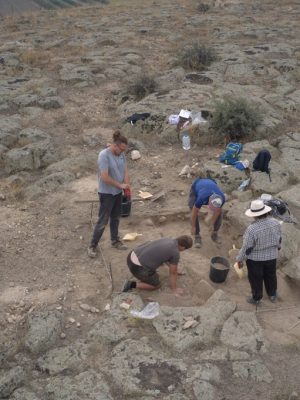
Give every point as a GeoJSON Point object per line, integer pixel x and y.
{"type": "Point", "coordinates": [149, 312]}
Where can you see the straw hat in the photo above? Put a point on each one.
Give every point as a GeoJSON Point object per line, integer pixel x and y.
{"type": "Point", "coordinates": [257, 208]}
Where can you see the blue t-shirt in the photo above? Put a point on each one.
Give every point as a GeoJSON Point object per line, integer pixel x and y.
{"type": "Point", "coordinates": [203, 189]}
{"type": "Point", "coordinates": [115, 165]}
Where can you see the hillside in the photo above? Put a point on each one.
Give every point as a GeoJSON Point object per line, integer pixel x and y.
{"type": "Point", "coordinates": [68, 78]}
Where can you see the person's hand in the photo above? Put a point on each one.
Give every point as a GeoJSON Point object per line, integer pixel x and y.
{"type": "Point", "coordinates": [178, 291]}
{"type": "Point", "coordinates": [240, 264]}
{"type": "Point", "coordinates": [124, 186]}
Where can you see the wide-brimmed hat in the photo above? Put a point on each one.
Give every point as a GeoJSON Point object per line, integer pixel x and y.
{"type": "Point", "coordinates": [185, 114]}
{"type": "Point", "coordinates": [257, 208]}
{"type": "Point", "coordinates": [215, 202]}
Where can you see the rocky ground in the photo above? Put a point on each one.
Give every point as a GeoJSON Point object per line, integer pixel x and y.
{"type": "Point", "coordinates": [63, 79]}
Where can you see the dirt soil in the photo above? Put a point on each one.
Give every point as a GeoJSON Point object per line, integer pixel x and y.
{"type": "Point", "coordinates": [43, 257]}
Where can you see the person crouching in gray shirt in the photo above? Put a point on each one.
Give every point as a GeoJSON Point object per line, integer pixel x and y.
{"type": "Point", "coordinates": [144, 260]}
{"type": "Point", "coordinates": [113, 178]}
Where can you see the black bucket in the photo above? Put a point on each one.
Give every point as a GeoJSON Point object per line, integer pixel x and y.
{"type": "Point", "coordinates": [126, 207]}
{"type": "Point", "coordinates": [219, 267]}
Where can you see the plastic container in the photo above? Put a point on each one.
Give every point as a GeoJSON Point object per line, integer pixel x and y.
{"type": "Point", "coordinates": [149, 312]}
{"type": "Point", "coordinates": [126, 207]}
{"type": "Point", "coordinates": [219, 267]}
{"type": "Point", "coordinates": [266, 197]}
{"type": "Point", "coordinates": [186, 141]}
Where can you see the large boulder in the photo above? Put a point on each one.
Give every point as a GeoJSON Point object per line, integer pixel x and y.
{"type": "Point", "coordinates": [242, 331]}
{"type": "Point", "coordinates": [48, 184]}
{"type": "Point", "coordinates": [228, 177]}
{"type": "Point", "coordinates": [169, 324]}
{"type": "Point", "coordinates": [63, 359]}
{"type": "Point", "coordinates": [254, 370]}
{"type": "Point", "coordinates": [31, 157]}
{"type": "Point", "coordinates": [24, 394]}
{"type": "Point", "coordinates": [10, 380]}
{"type": "Point", "coordinates": [289, 146]}
{"type": "Point", "coordinates": [31, 135]}
{"type": "Point", "coordinates": [261, 183]}
{"type": "Point", "coordinates": [87, 385]}
{"type": "Point", "coordinates": [9, 127]}
{"type": "Point", "coordinates": [44, 330]}
{"type": "Point", "coordinates": [292, 268]}
{"type": "Point", "coordinates": [290, 242]}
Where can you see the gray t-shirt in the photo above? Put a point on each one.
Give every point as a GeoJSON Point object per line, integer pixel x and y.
{"type": "Point", "coordinates": [153, 254]}
{"type": "Point", "coordinates": [115, 165]}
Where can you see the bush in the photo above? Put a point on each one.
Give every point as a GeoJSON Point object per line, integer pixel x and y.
{"type": "Point", "coordinates": [235, 118]}
{"type": "Point", "coordinates": [141, 86]}
{"type": "Point", "coordinates": [197, 57]}
{"type": "Point", "coordinates": [202, 7]}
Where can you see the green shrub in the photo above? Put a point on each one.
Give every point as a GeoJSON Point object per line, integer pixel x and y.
{"type": "Point", "coordinates": [197, 57]}
{"type": "Point", "coordinates": [235, 118]}
{"type": "Point", "coordinates": [141, 86]}
{"type": "Point", "coordinates": [203, 7]}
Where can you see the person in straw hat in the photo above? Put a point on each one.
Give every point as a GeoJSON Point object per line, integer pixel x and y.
{"type": "Point", "coordinates": [261, 243]}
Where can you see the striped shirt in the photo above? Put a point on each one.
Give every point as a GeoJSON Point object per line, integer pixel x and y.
{"type": "Point", "coordinates": [261, 240]}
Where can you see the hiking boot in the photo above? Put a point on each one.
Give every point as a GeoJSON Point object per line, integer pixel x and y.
{"type": "Point", "coordinates": [215, 238]}
{"type": "Point", "coordinates": [197, 242]}
{"type": "Point", "coordinates": [273, 299]}
{"type": "Point", "coordinates": [119, 245]}
{"type": "Point", "coordinates": [92, 253]}
{"type": "Point", "coordinates": [127, 286]}
{"type": "Point", "coordinates": [251, 300]}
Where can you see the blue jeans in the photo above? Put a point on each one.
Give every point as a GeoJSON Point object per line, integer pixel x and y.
{"type": "Point", "coordinates": [191, 203]}
{"type": "Point", "coordinates": [110, 209]}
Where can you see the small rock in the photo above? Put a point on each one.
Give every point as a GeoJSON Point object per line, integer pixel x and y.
{"type": "Point", "coordinates": [22, 303]}
{"type": "Point", "coordinates": [71, 320]}
{"type": "Point", "coordinates": [78, 324]}
{"type": "Point", "coordinates": [126, 306]}
{"type": "Point", "coordinates": [135, 155]}
{"type": "Point", "coordinates": [148, 222]}
{"type": "Point", "coordinates": [2, 197]}
{"type": "Point", "coordinates": [58, 308]}
{"type": "Point", "coordinates": [85, 307]}
{"type": "Point", "coordinates": [94, 310]}
{"type": "Point", "coordinates": [107, 307]}
{"type": "Point", "coordinates": [162, 219]}
{"type": "Point", "coordinates": [186, 170]}
{"type": "Point", "coordinates": [190, 324]}
{"type": "Point", "coordinates": [81, 237]}
{"type": "Point", "coordinates": [63, 335]}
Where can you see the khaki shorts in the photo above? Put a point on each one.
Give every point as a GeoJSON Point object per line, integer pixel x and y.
{"type": "Point", "coordinates": [142, 273]}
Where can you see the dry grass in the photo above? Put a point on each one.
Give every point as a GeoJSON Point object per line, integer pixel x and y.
{"type": "Point", "coordinates": [34, 58]}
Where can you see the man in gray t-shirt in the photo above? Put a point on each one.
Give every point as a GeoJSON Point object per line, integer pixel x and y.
{"type": "Point", "coordinates": [112, 180]}
{"type": "Point", "coordinates": [144, 260]}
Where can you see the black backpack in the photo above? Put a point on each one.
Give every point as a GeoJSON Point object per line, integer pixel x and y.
{"type": "Point", "coordinates": [261, 162]}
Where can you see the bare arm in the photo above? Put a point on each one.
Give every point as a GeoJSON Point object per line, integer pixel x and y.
{"type": "Point", "coordinates": [126, 177]}
{"type": "Point", "coordinates": [110, 181]}
{"type": "Point", "coordinates": [173, 276]}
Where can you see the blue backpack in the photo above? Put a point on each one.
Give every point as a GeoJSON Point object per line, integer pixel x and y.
{"type": "Point", "coordinates": [231, 153]}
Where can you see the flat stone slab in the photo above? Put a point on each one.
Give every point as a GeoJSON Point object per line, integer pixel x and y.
{"type": "Point", "coordinates": [243, 331]}
{"type": "Point", "coordinates": [210, 317]}
{"type": "Point", "coordinates": [254, 370]}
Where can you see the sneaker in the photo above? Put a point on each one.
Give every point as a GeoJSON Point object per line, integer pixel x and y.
{"type": "Point", "coordinates": [119, 245]}
{"type": "Point", "coordinates": [197, 242]}
{"type": "Point", "coordinates": [92, 253]}
{"type": "Point", "coordinates": [127, 286]}
{"type": "Point", "coordinates": [250, 300]}
{"type": "Point", "coordinates": [215, 238]}
{"type": "Point", "coordinates": [273, 299]}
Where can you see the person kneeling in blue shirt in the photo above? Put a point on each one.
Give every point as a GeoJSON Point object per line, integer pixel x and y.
{"type": "Point", "coordinates": [206, 192]}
